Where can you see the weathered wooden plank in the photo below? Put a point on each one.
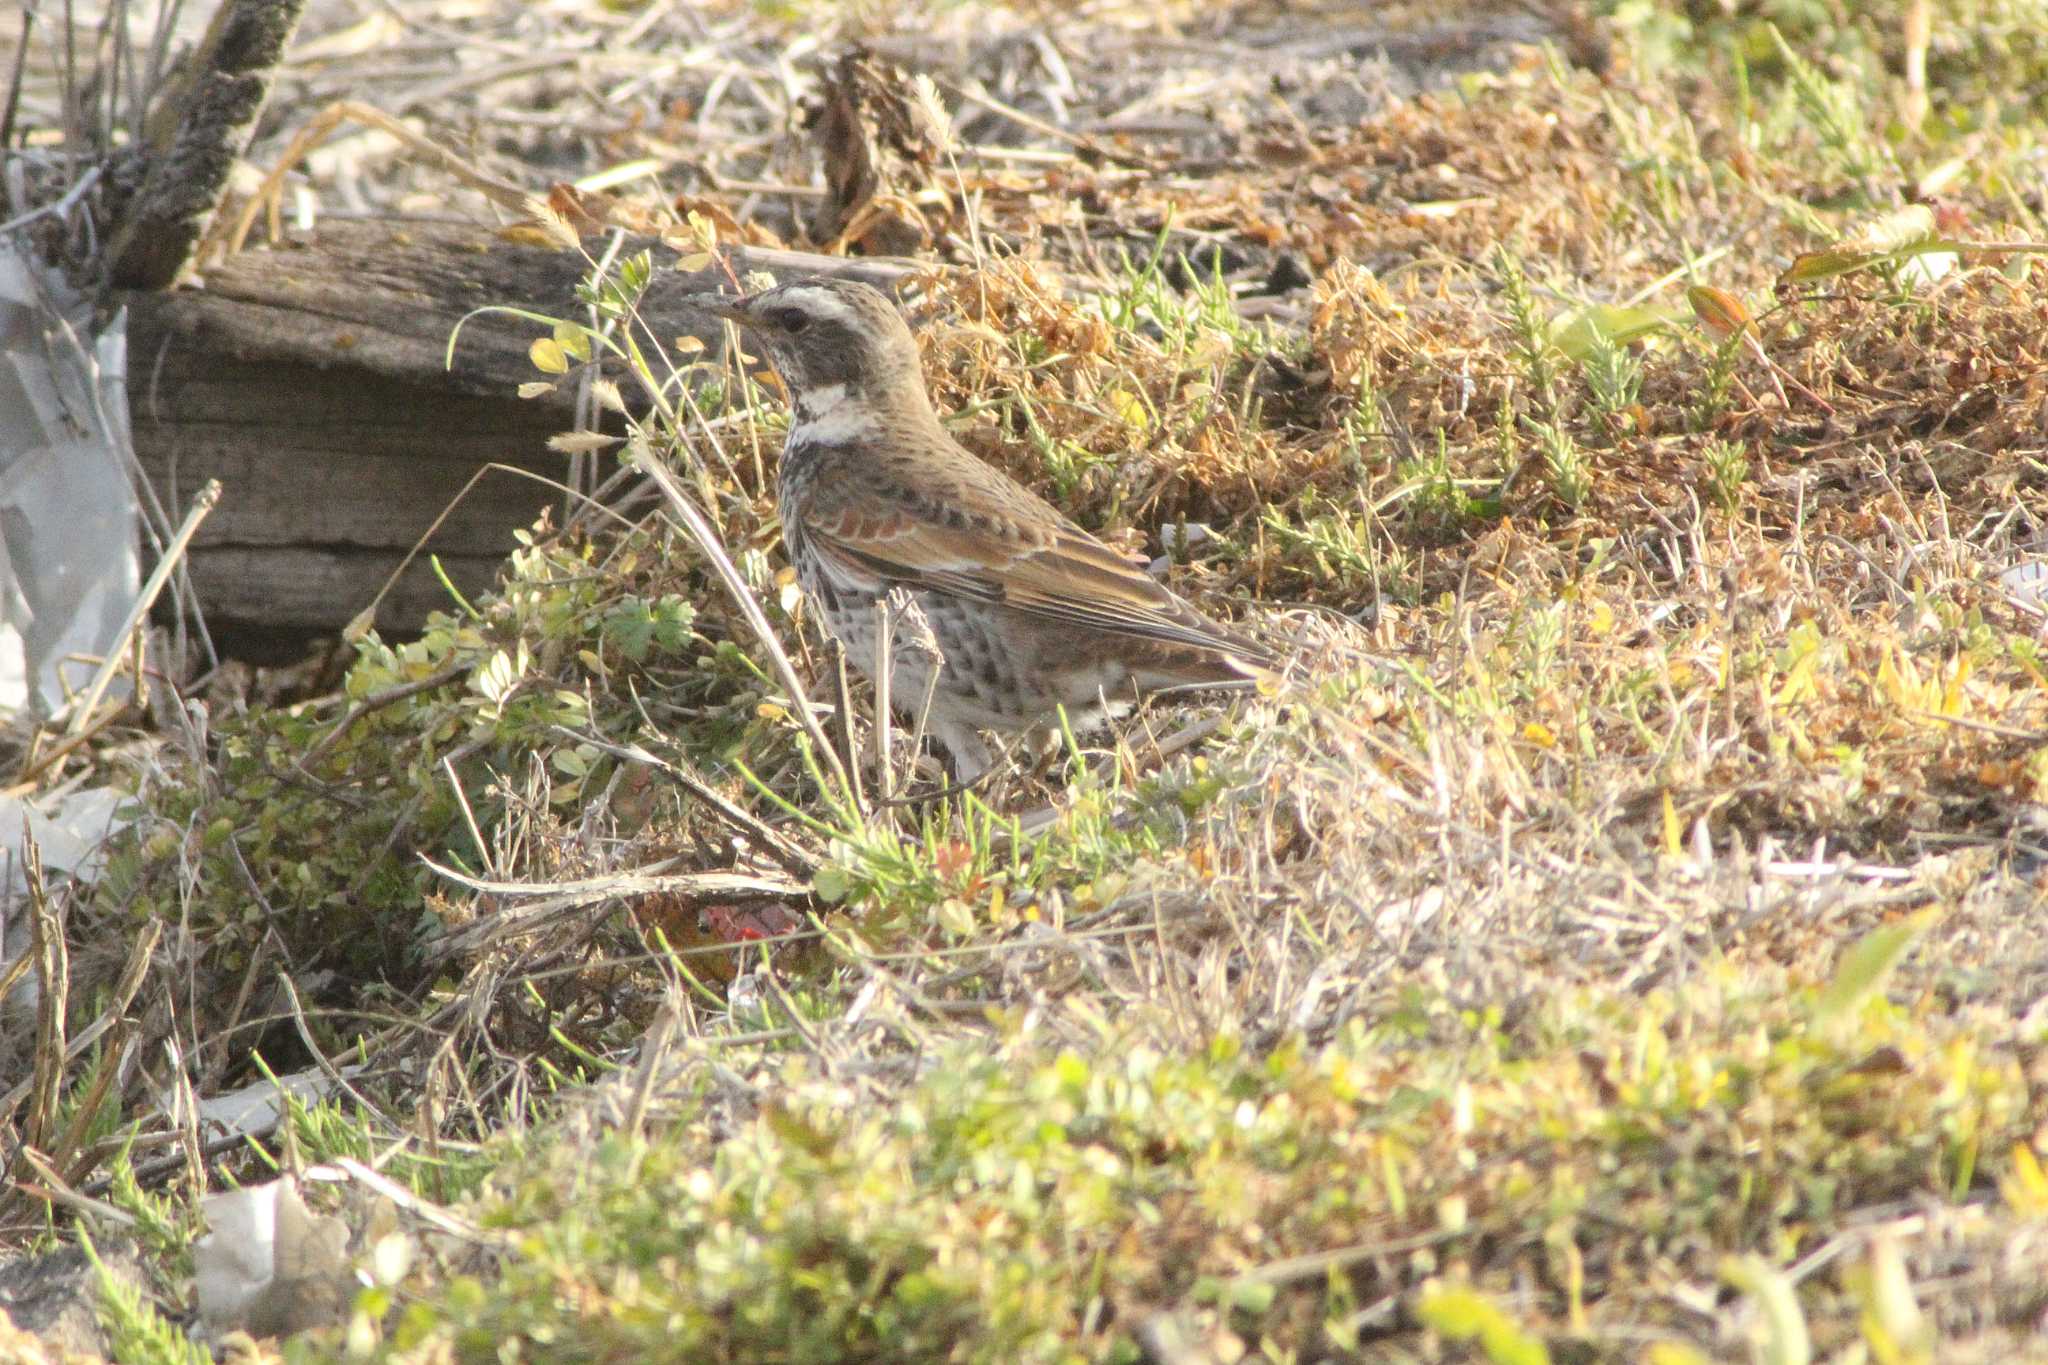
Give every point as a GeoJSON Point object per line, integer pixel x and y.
{"type": "Point", "coordinates": [293, 590]}
{"type": "Point", "coordinates": [313, 379]}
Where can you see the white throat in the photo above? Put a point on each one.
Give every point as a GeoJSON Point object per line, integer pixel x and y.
{"type": "Point", "coordinates": [824, 401]}
{"type": "Point", "coordinates": [830, 413]}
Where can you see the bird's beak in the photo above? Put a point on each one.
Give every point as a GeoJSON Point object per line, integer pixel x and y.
{"type": "Point", "coordinates": [733, 306]}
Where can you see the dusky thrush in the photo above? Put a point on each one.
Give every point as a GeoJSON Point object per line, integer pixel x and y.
{"type": "Point", "coordinates": [1029, 611]}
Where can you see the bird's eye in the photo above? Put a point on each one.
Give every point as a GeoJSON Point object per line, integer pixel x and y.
{"type": "Point", "coordinates": [792, 319]}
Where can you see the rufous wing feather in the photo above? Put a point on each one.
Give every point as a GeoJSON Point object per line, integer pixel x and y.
{"type": "Point", "coordinates": [1059, 572]}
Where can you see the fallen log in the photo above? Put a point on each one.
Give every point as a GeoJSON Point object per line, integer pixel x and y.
{"type": "Point", "coordinates": [315, 379]}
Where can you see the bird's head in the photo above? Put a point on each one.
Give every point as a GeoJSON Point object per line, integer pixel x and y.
{"type": "Point", "coordinates": [833, 342]}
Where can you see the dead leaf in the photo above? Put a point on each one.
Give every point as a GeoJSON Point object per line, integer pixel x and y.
{"type": "Point", "coordinates": [874, 139]}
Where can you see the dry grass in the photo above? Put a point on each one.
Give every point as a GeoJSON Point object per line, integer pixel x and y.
{"type": "Point", "coordinates": [1639, 872]}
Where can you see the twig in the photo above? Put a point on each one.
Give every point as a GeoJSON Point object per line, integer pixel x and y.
{"type": "Point", "coordinates": [377, 701]}
{"type": "Point", "coordinates": [1044, 129]}
{"type": "Point", "coordinates": [420, 1208]}
{"type": "Point", "coordinates": [327, 1068]}
{"type": "Point", "coordinates": [174, 552]}
{"type": "Point", "coordinates": [569, 896]}
{"type": "Point", "coordinates": [506, 195]}
{"type": "Point", "coordinates": [1316, 1264]}
{"type": "Point", "coordinates": [842, 703]}
{"type": "Point", "coordinates": [1984, 726]}
{"type": "Point", "coordinates": [56, 1191]}
{"type": "Point", "coordinates": [772, 841]}
{"type": "Point", "coordinates": [885, 640]}
{"type": "Point", "coordinates": [729, 576]}
{"type": "Point", "coordinates": [28, 22]}
{"type": "Point", "coordinates": [42, 759]}
{"type": "Point", "coordinates": [73, 1049]}
{"type": "Point", "coordinates": [476, 835]}
{"type": "Point", "coordinates": [649, 881]}
{"type": "Point", "coordinates": [59, 209]}
{"type": "Point", "coordinates": [87, 1111]}
{"type": "Point", "coordinates": [53, 970]}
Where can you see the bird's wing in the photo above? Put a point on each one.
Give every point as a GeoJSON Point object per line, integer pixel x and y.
{"type": "Point", "coordinates": [1027, 558]}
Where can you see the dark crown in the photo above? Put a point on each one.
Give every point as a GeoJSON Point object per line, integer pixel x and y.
{"type": "Point", "coordinates": [825, 333]}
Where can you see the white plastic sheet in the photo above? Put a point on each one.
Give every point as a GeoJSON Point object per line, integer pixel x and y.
{"type": "Point", "coordinates": [69, 568]}
{"type": "Point", "coordinates": [70, 829]}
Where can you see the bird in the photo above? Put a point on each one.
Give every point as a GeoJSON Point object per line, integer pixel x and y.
{"type": "Point", "coordinates": [1029, 612]}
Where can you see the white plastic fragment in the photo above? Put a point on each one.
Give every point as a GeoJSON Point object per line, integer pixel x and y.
{"type": "Point", "coordinates": [2026, 586]}
{"type": "Point", "coordinates": [70, 829]}
{"type": "Point", "coordinates": [255, 1109]}
{"type": "Point", "coordinates": [69, 569]}
{"type": "Point", "coordinates": [269, 1266]}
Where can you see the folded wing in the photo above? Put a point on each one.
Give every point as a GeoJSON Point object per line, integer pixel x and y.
{"type": "Point", "coordinates": [1038, 563]}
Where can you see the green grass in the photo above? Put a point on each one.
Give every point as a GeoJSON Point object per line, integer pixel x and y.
{"type": "Point", "coordinates": [1024, 1199]}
